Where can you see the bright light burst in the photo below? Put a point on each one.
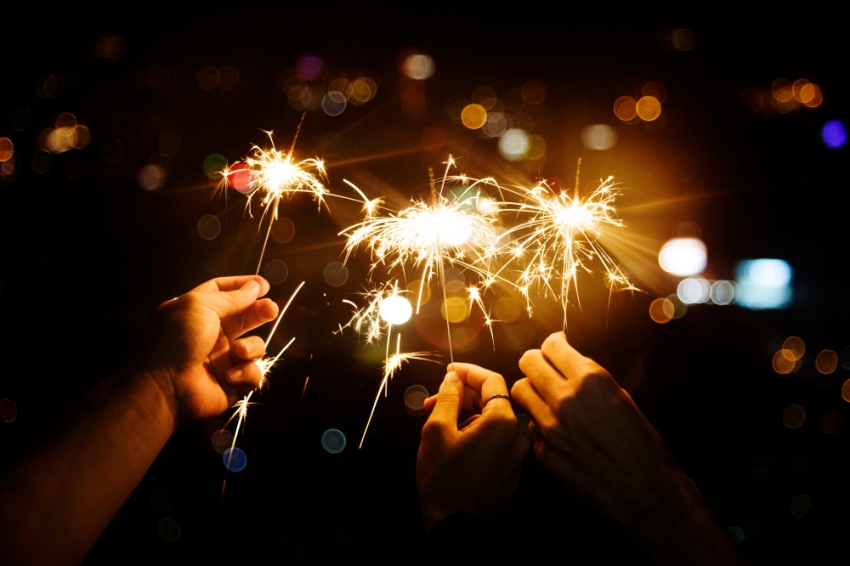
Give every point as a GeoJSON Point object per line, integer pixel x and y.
{"type": "Point", "coordinates": [559, 239]}
{"type": "Point", "coordinates": [428, 235]}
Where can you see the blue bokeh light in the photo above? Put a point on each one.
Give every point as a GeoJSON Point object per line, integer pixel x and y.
{"type": "Point", "coordinates": [833, 134]}
{"type": "Point", "coordinates": [764, 283]}
{"type": "Point", "coordinates": [234, 459]}
{"type": "Point", "coordinates": [333, 441]}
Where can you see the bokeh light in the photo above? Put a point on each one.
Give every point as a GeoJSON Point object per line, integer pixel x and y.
{"type": "Point", "coordinates": [418, 66]}
{"type": "Point", "coordinates": [234, 459]}
{"type": "Point", "coordinates": [514, 144]}
{"type": "Point", "coordinates": [414, 400]}
{"type": "Point", "coordinates": [473, 116]}
{"type": "Point", "coordinates": [845, 357]}
{"type": "Point", "coordinates": [752, 100]}
{"type": "Point", "coordinates": [683, 256]}
{"type": "Point", "coordinates": [845, 391]}
{"type": "Point", "coordinates": [801, 504]}
{"type": "Point", "coordinates": [764, 283]}
{"type": "Point", "coordinates": [8, 410]}
{"type": "Point", "coordinates": [661, 310]}
{"type": "Point", "coordinates": [421, 292]}
{"type": "Point", "coordinates": [533, 91]}
{"type": "Point", "coordinates": [684, 39]}
{"type": "Point", "coordinates": [783, 362]}
{"type": "Point", "coordinates": [485, 96]}
{"type": "Point", "coordinates": [455, 309]}
{"type": "Point", "coordinates": [648, 108]}
{"type": "Point", "coordinates": [333, 103]}
{"type": "Point", "coordinates": [333, 441]}
{"type": "Point", "coordinates": [276, 271]}
{"type": "Point", "coordinates": [310, 66]}
{"type": "Point", "coordinates": [228, 78]}
{"type": "Point", "coordinates": [335, 274]}
{"type": "Point", "coordinates": [722, 292]}
{"type": "Point", "coordinates": [214, 166]}
{"type": "Point", "coordinates": [497, 123]}
{"type": "Point", "coordinates": [207, 77]}
{"type": "Point", "coordinates": [395, 310]}
{"type": "Point", "coordinates": [625, 108]}
{"type": "Point", "coordinates": [7, 149]}
{"type": "Point", "coordinates": [22, 119]}
{"type": "Point", "coordinates": [209, 227]}
{"type": "Point", "coordinates": [283, 230]}
{"type": "Point", "coordinates": [811, 95]}
{"type": "Point", "coordinates": [833, 134]}
{"type": "Point", "coordinates": [508, 309]}
{"type": "Point", "coordinates": [221, 440]}
{"type": "Point", "coordinates": [168, 529]}
{"type": "Point", "coordinates": [694, 290]}
{"type": "Point", "coordinates": [598, 136]}
{"type": "Point", "coordinates": [794, 416]}
{"type": "Point", "coordinates": [826, 362]}
{"type": "Point", "coordinates": [151, 177]}
{"type": "Point", "coordinates": [795, 346]}
{"type": "Point", "coordinates": [680, 308]}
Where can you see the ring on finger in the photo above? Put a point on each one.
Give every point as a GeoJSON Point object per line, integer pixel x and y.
{"type": "Point", "coordinates": [496, 396]}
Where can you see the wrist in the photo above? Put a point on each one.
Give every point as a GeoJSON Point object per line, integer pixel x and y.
{"type": "Point", "coordinates": [153, 394]}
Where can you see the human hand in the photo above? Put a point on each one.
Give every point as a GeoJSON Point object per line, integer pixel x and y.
{"type": "Point", "coordinates": [591, 435]}
{"type": "Point", "coordinates": [588, 431]}
{"type": "Point", "coordinates": [192, 351]}
{"type": "Point", "coordinates": [471, 467]}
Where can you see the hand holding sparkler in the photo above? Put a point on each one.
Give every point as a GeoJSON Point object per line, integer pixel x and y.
{"type": "Point", "coordinates": [591, 435]}
{"type": "Point", "coordinates": [470, 467]}
{"type": "Point", "coordinates": [192, 351]}
{"type": "Point", "coordinates": [57, 500]}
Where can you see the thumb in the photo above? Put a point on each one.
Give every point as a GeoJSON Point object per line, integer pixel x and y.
{"type": "Point", "coordinates": [449, 402]}
{"type": "Point", "coordinates": [228, 303]}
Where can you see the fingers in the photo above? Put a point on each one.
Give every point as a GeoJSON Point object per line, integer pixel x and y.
{"type": "Point", "coordinates": [259, 313]}
{"type": "Point", "coordinates": [528, 398]}
{"type": "Point", "coordinates": [564, 357]}
{"type": "Point", "coordinates": [229, 303]}
{"type": "Point", "coordinates": [449, 401]}
{"type": "Point", "coordinates": [486, 383]}
{"type": "Point", "coordinates": [232, 284]}
{"type": "Point", "coordinates": [545, 378]}
{"type": "Point", "coordinates": [248, 349]}
{"type": "Point", "coordinates": [245, 377]}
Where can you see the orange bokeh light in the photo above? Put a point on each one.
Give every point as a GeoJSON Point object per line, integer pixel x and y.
{"type": "Point", "coordinates": [648, 108]}
{"type": "Point", "coordinates": [625, 108]}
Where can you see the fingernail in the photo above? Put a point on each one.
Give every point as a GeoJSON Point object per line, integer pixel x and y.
{"type": "Point", "coordinates": [250, 285]}
{"type": "Point", "coordinates": [451, 377]}
{"type": "Point", "coordinates": [234, 375]}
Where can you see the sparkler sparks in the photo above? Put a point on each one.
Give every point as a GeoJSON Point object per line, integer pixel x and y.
{"type": "Point", "coordinates": [265, 365]}
{"type": "Point", "coordinates": [561, 238]}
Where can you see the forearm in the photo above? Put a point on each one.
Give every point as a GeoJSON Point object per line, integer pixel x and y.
{"type": "Point", "coordinates": [679, 528]}
{"type": "Point", "coordinates": [59, 498]}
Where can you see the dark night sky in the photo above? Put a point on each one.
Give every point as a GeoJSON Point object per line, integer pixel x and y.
{"type": "Point", "coordinates": [87, 254]}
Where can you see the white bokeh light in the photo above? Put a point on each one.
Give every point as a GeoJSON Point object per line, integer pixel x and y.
{"type": "Point", "coordinates": [683, 256]}
{"type": "Point", "coordinates": [764, 283]}
{"type": "Point", "coordinates": [396, 310]}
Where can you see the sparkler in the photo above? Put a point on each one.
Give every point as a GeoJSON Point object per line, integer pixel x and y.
{"type": "Point", "coordinates": [265, 365]}
{"type": "Point", "coordinates": [274, 174]}
{"type": "Point", "coordinates": [427, 236]}
{"type": "Point", "coordinates": [561, 238]}
{"type": "Point", "coordinates": [385, 307]}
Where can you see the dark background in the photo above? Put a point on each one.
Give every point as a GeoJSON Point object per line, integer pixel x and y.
{"type": "Point", "coordinates": [87, 254]}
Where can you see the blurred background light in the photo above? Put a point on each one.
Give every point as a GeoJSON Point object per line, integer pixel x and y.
{"type": "Point", "coordinates": [418, 66]}
{"type": "Point", "coordinates": [395, 310]}
{"type": "Point", "coordinates": [310, 66]}
{"type": "Point", "coordinates": [336, 274]}
{"type": "Point", "coordinates": [598, 136]}
{"type": "Point", "coordinates": [661, 310]}
{"type": "Point", "coordinates": [625, 108]}
{"type": "Point", "coordinates": [533, 92]}
{"type": "Point", "coordinates": [234, 459]}
{"type": "Point", "coordinates": [276, 271]}
{"type": "Point", "coordinates": [513, 144]}
{"type": "Point", "coordinates": [694, 290]}
{"type": "Point", "coordinates": [764, 283]}
{"type": "Point", "coordinates": [7, 149]}
{"type": "Point", "coordinates": [684, 39]}
{"type": "Point", "coordinates": [648, 108]}
{"type": "Point", "coordinates": [794, 416]}
{"type": "Point", "coordinates": [826, 362]}
{"type": "Point", "coordinates": [333, 103]}
{"type": "Point", "coordinates": [833, 134]}
{"type": "Point", "coordinates": [414, 400]}
{"type": "Point", "coordinates": [333, 441]}
{"type": "Point", "coordinates": [722, 292]}
{"type": "Point", "coordinates": [683, 256]}
{"type": "Point", "coordinates": [473, 116]}
{"type": "Point", "coordinates": [8, 410]}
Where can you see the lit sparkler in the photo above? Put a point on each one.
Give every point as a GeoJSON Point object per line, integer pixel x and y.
{"type": "Point", "coordinates": [265, 365]}
{"type": "Point", "coordinates": [560, 239]}
{"type": "Point", "coordinates": [273, 174]}
{"type": "Point", "coordinates": [427, 236]}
